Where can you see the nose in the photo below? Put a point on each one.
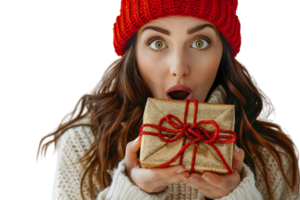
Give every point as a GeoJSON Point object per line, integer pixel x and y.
{"type": "Point", "coordinates": [177, 75]}
{"type": "Point", "coordinates": [180, 64]}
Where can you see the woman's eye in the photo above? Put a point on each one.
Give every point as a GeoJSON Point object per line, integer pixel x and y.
{"type": "Point", "coordinates": [201, 43]}
{"type": "Point", "coordinates": [158, 44]}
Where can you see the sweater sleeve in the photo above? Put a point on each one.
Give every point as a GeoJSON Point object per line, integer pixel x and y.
{"type": "Point", "coordinates": [279, 187]}
{"type": "Point", "coordinates": [72, 145]}
{"type": "Point", "coordinates": [123, 188]}
{"type": "Point", "coordinates": [246, 190]}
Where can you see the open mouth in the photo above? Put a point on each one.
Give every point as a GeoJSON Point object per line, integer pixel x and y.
{"type": "Point", "coordinates": [179, 95]}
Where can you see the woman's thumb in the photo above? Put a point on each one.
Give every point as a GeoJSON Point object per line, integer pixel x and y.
{"type": "Point", "coordinates": [136, 144]}
{"type": "Point", "coordinates": [131, 149]}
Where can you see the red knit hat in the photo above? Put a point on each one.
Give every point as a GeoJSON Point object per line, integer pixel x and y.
{"type": "Point", "coordinates": [136, 13]}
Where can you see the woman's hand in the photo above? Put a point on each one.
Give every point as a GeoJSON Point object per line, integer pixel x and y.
{"type": "Point", "coordinates": [150, 180]}
{"type": "Point", "coordinates": [217, 186]}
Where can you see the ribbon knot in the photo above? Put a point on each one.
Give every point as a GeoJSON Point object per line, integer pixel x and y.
{"type": "Point", "coordinates": [189, 133]}
{"type": "Point", "coordinates": [192, 131]}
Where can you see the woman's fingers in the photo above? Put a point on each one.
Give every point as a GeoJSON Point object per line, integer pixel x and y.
{"type": "Point", "coordinates": [238, 159]}
{"type": "Point", "coordinates": [131, 160]}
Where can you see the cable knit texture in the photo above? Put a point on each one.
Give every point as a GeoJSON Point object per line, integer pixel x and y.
{"type": "Point", "coordinates": [76, 141]}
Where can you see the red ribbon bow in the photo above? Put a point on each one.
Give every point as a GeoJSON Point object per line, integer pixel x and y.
{"type": "Point", "coordinates": [193, 132]}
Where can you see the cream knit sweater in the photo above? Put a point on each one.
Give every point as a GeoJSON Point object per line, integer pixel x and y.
{"type": "Point", "coordinates": [76, 141]}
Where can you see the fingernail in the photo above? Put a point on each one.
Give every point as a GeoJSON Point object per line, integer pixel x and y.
{"type": "Point", "coordinates": [136, 139]}
{"type": "Point", "coordinates": [206, 177]}
{"type": "Point", "coordinates": [180, 170]}
{"type": "Point", "coordinates": [236, 148]}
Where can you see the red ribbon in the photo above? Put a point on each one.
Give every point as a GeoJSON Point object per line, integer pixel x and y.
{"type": "Point", "coordinates": [193, 132]}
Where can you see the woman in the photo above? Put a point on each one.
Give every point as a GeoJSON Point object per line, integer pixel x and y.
{"type": "Point", "coordinates": [190, 45]}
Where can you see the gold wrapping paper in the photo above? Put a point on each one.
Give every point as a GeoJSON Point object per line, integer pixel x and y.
{"type": "Point", "coordinates": [155, 152]}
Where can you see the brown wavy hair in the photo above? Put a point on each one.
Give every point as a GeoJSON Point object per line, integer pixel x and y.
{"type": "Point", "coordinates": [121, 95]}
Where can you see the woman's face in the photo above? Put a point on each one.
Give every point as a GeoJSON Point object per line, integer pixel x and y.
{"type": "Point", "coordinates": [178, 55]}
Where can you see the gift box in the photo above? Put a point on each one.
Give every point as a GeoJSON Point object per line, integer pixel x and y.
{"type": "Point", "coordinates": [199, 136]}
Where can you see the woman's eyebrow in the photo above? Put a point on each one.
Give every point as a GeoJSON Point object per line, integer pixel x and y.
{"type": "Point", "coordinates": [190, 31]}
